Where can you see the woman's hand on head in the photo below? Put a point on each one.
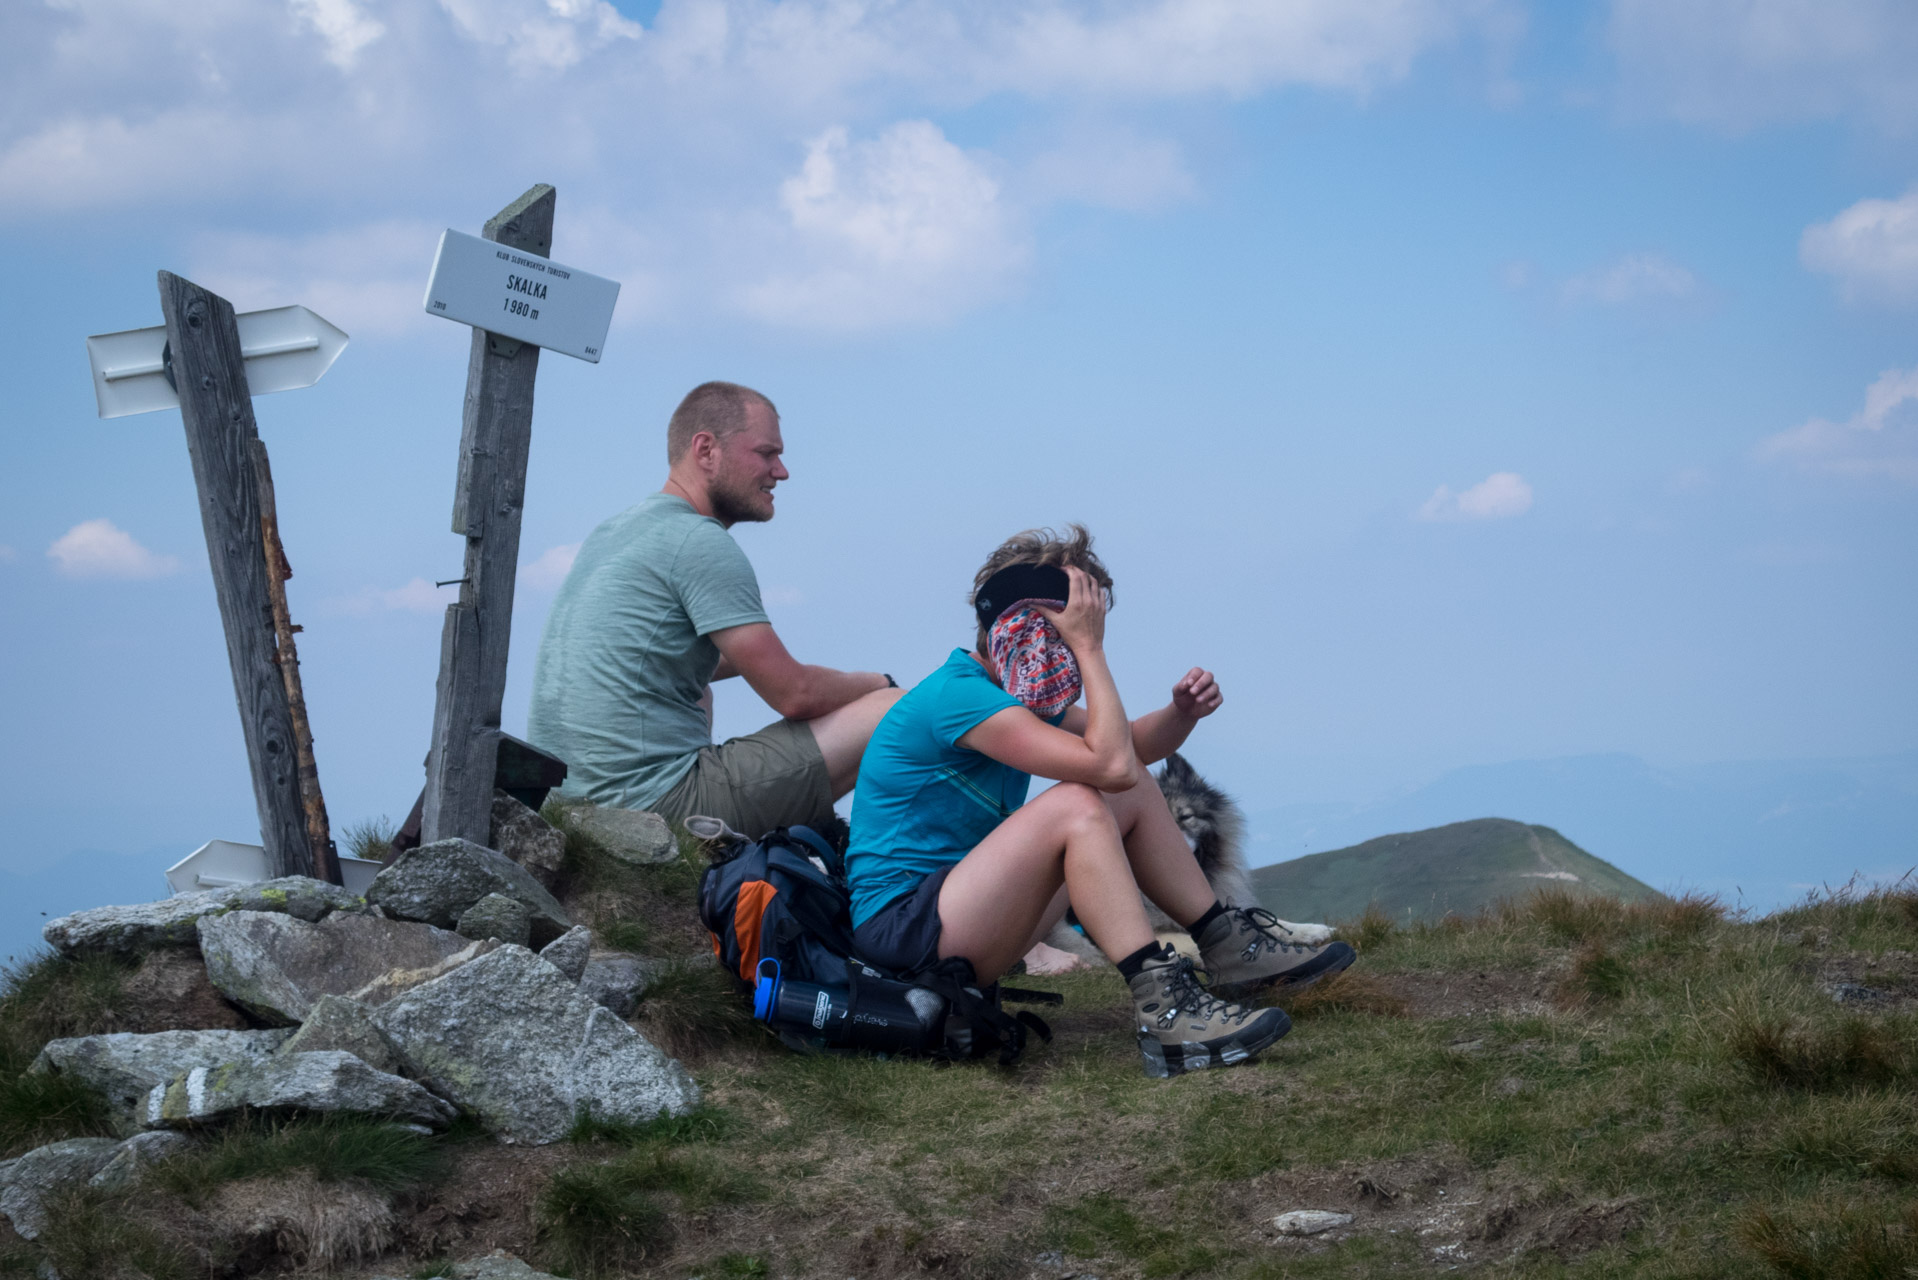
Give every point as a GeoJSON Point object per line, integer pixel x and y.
{"type": "Point", "coordinates": [1197, 695]}
{"type": "Point", "coordinates": [1082, 623]}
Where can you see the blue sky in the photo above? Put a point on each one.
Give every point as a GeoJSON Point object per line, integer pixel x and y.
{"type": "Point", "coordinates": [1465, 381]}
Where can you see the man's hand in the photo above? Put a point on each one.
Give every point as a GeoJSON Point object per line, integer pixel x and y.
{"type": "Point", "coordinates": [1082, 623]}
{"type": "Point", "coordinates": [1197, 695]}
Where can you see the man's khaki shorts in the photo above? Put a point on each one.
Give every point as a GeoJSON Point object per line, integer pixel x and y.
{"type": "Point", "coordinates": [773, 778]}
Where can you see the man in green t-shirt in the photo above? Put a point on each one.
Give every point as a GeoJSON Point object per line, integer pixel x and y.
{"type": "Point", "coordinates": [661, 602]}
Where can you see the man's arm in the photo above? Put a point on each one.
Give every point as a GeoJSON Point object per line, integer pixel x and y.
{"type": "Point", "coordinates": [796, 690]}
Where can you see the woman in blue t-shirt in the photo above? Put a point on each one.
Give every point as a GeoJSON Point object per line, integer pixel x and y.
{"type": "Point", "coordinates": [947, 858]}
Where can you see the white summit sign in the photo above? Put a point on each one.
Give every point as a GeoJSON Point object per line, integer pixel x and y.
{"type": "Point", "coordinates": [521, 295]}
{"type": "Point", "coordinates": [284, 349]}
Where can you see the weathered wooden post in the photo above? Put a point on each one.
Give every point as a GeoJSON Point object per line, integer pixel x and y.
{"type": "Point", "coordinates": [204, 358]}
{"type": "Point", "coordinates": [517, 302]}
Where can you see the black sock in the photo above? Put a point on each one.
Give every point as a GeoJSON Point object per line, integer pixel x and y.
{"type": "Point", "coordinates": [1130, 966]}
{"type": "Point", "coordinates": [1212, 913]}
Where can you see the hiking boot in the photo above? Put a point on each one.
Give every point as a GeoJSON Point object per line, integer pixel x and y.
{"type": "Point", "coordinates": [1184, 1027]}
{"type": "Point", "coordinates": [1248, 947]}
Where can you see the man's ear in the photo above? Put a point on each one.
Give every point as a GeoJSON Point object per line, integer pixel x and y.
{"type": "Point", "coordinates": [704, 448]}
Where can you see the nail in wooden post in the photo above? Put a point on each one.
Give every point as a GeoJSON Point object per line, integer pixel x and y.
{"type": "Point", "coordinates": [217, 409]}
{"type": "Point", "coordinates": [495, 434]}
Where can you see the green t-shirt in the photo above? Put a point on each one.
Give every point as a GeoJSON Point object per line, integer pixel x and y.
{"type": "Point", "coordinates": [627, 653]}
{"type": "Point", "coordinates": [923, 801]}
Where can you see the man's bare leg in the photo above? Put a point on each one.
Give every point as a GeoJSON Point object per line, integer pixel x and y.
{"type": "Point", "coordinates": [842, 735]}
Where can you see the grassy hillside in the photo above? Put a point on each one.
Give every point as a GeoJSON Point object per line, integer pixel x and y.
{"type": "Point", "coordinates": [1426, 875]}
{"type": "Point", "coordinates": [1563, 1088]}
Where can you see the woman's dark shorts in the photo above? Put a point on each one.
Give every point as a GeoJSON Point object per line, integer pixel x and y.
{"type": "Point", "coordinates": [903, 935]}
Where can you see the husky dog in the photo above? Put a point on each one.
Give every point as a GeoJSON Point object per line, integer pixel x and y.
{"type": "Point", "coordinates": [1214, 826]}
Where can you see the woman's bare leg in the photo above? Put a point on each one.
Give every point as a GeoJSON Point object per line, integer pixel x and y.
{"type": "Point", "coordinates": [1162, 861]}
{"type": "Point", "coordinates": [1002, 894]}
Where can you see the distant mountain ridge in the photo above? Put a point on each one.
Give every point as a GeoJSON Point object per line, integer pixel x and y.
{"type": "Point", "coordinates": [1425, 875]}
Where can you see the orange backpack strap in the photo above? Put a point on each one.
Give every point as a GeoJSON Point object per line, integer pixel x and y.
{"type": "Point", "coordinates": [754, 897]}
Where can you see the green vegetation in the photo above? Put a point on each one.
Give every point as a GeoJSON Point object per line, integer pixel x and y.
{"type": "Point", "coordinates": [1457, 870]}
{"type": "Point", "coordinates": [371, 838]}
{"type": "Point", "coordinates": [45, 998]}
{"type": "Point", "coordinates": [1560, 1086]}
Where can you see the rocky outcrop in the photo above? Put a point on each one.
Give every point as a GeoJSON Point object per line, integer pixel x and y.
{"type": "Point", "coordinates": [435, 884]}
{"type": "Point", "coordinates": [124, 1067]}
{"type": "Point", "coordinates": [569, 952]}
{"type": "Point", "coordinates": [276, 966]}
{"type": "Point", "coordinates": [527, 838]}
{"type": "Point", "coordinates": [171, 922]}
{"type": "Point", "coordinates": [130, 930]}
{"type": "Point", "coordinates": [500, 917]}
{"type": "Point", "coordinates": [335, 1022]}
{"type": "Point", "coordinates": [628, 834]}
{"type": "Point", "coordinates": [26, 1183]}
{"type": "Point", "coordinates": [136, 1155]}
{"type": "Point", "coordinates": [498, 1265]}
{"type": "Point", "coordinates": [327, 1080]}
{"type": "Point", "coordinates": [170, 992]}
{"type": "Point", "coordinates": [508, 1039]}
{"type": "Point", "coordinates": [616, 980]}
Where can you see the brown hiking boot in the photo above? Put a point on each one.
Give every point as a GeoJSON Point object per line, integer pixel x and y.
{"type": "Point", "coordinates": [1247, 948]}
{"type": "Point", "coordinates": [1184, 1027]}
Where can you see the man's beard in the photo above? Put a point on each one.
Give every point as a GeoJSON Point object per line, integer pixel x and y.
{"type": "Point", "coordinates": [739, 504]}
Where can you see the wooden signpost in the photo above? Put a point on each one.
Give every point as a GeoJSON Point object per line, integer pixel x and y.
{"type": "Point", "coordinates": [518, 300]}
{"type": "Point", "coordinates": [197, 362]}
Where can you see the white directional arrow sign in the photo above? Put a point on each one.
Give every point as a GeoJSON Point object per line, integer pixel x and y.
{"type": "Point", "coordinates": [285, 348]}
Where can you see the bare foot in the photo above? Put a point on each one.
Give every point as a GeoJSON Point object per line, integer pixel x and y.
{"type": "Point", "coordinates": [1045, 959]}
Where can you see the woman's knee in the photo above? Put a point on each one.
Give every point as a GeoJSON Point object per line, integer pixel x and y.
{"type": "Point", "coordinates": [1076, 806]}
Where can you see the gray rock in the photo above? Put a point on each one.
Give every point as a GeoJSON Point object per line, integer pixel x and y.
{"type": "Point", "coordinates": [527, 838]}
{"type": "Point", "coordinates": [326, 1080]}
{"type": "Point", "coordinates": [131, 930]}
{"type": "Point", "coordinates": [436, 883]}
{"type": "Point", "coordinates": [628, 834]}
{"type": "Point", "coordinates": [26, 1182]}
{"type": "Point", "coordinates": [616, 980]}
{"type": "Point", "coordinates": [302, 897]}
{"type": "Point", "coordinates": [335, 1022]}
{"type": "Point", "coordinates": [276, 966]}
{"type": "Point", "coordinates": [135, 1155]}
{"type": "Point", "coordinates": [569, 952]}
{"type": "Point", "coordinates": [498, 916]}
{"type": "Point", "coordinates": [498, 1265]}
{"type": "Point", "coordinates": [508, 1039]}
{"type": "Point", "coordinates": [124, 1067]}
{"type": "Point", "coordinates": [1310, 1222]}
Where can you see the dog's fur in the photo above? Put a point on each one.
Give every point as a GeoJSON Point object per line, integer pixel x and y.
{"type": "Point", "coordinates": [1214, 826]}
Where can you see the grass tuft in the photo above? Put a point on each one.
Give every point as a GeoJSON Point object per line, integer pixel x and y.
{"type": "Point", "coordinates": [371, 838]}
{"type": "Point", "coordinates": [1787, 1052]}
{"type": "Point", "coordinates": [1103, 1226]}
{"type": "Point", "coordinates": [594, 1222]}
{"type": "Point", "coordinates": [1370, 931]}
{"type": "Point", "coordinates": [386, 1157]}
{"type": "Point", "coordinates": [1835, 1243]}
{"type": "Point", "coordinates": [1353, 991]}
{"type": "Point", "coordinates": [694, 1010]}
{"type": "Point", "coordinates": [1597, 977]}
{"type": "Point", "coordinates": [1567, 916]}
{"type": "Point", "coordinates": [90, 1234]}
{"type": "Point", "coordinates": [705, 1124]}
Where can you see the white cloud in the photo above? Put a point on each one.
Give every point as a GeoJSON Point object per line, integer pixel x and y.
{"type": "Point", "coordinates": [1880, 440]}
{"type": "Point", "coordinates": [434, 115]}
{"type": "Point", "coordinates": [1737, 64]}
{"type": "Point", "coordinates": [416, 596]}
{"type": "Point", "coordinates": [905, 226]}
{"type": "Point", "coordinates": [101, 549]}
{"type": "Point", "coordinates": [1872, 249]}
{"type": "Point", "coordinates": [342, 24]}
{"type": "Point", "coordinates": [550, 569]}
{"type": "Point", "coordinates": [1635, 277]}
{"type": "Point", "coordinates": [1496, 497]}
{"type": "Point", "coordinates": [550, 35]}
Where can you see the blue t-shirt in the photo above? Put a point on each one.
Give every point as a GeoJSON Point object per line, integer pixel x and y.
{"type": "Point", "coordinates": [923, 801]}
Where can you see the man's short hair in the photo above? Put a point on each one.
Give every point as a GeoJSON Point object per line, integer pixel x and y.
{"type": "Point", "coordinates": [1073, 546]}
{"type": "Point", "coordinates": [719, 408]}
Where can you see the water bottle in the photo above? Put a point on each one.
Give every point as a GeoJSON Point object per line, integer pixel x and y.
{"type": "Point", "coordinates": [882, 1017]}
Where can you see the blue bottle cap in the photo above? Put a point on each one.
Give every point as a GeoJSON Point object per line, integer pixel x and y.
{"type": "Point", "coordinates": [767, 992]}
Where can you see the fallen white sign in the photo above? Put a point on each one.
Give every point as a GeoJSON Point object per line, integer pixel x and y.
{"type": "Point", "coordinates": [521, 295]}
{"type": "Point", "coordinates": [284, 348]}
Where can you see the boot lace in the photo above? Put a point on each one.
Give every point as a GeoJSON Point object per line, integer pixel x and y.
{"type": "Point", "coordinates": [1184, 992]}
{"type": "Point", "coordinates": [1271, 933]}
